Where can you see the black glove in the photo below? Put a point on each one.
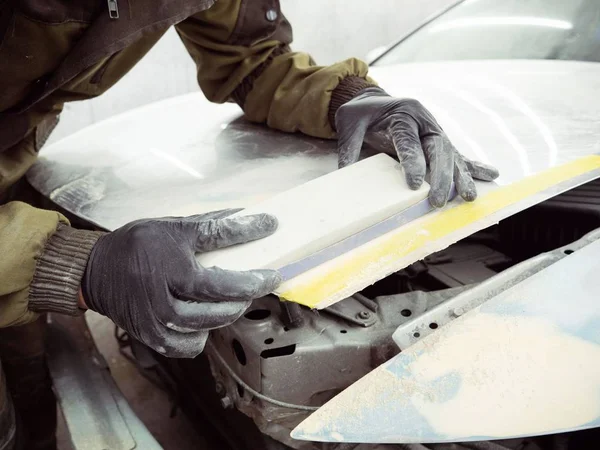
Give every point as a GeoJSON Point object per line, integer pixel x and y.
{"type": "Point", "coordinates": [144, 277]}
{"type": "Point", "coordinates": [418, 139]}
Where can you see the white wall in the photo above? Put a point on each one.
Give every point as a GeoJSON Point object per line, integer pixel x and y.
{"type": "Point", "coordinates": [330, 30]}
{"type": "Point", "coordinates": [336, 29]}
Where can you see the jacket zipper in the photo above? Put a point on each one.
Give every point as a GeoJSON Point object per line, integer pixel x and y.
{"type": "Point", "coordinates": [113, 9]}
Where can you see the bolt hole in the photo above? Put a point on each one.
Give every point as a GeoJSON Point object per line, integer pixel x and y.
{"type": "Point", "coordinates": [279, 351]}
{"type": "Point", "coordinates": [433, 325]}
{"type": "Point", "coordinates": [286, 329]}
{"type": "Point", "coordinates": [257, 314]}
{"type": "Point", "coordinates": [343, 331]}
{"type": "Point", "coordinates": [568, 251]}
{"type": "Point", "coordinates": [417, 335]}
{"type": "Point", "coordinates": [239, 352]}
{"type": "Point", "coordinates": [406, 312]}
{"type": "Point", "coordinates": [269, 340]}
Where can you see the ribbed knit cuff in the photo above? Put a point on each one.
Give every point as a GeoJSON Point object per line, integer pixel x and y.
{"type": "Point", "coordinates": [59, 270]}
{"type": "Point", "coordinates": [345, 91]}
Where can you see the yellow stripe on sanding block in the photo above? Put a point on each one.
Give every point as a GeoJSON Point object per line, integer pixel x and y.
{"type": "Point", "coordinates": [316, 286]}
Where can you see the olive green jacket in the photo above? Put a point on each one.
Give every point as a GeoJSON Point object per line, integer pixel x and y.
{"type": "Point", "coordinates": [56, 51]}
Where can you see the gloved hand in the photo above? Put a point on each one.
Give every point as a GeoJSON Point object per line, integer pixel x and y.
{"type": "Point", "coordinates": [418, 139]}
{"type": "Point", "coordinates": [144, 277]}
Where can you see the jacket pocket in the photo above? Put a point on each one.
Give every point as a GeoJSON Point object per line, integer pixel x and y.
{"type": "Point", "coordinates": [61, 11]}
{"type": "Point", "coordinates": [260, 20]}
{"type": "Point", "coordinates": [29, 53]}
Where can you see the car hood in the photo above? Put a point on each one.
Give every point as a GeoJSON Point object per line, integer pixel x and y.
{"type": "Point", "coordinates": [186, 156]}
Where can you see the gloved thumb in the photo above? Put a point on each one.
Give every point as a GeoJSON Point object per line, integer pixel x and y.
{"type": "Point", "coordinates": [211, 235]}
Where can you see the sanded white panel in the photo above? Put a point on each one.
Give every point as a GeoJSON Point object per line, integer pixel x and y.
{"type": "Point", "coordinates": [322, 212]}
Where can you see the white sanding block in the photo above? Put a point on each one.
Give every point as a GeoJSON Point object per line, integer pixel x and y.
{"type": "Point", "coordinates": [322, 212]}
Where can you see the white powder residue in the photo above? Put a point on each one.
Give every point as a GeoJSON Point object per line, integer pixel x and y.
{"type": "Point", "coordinates": [493, 375]}
{"type": "Point", "coordinates": [518, 375]}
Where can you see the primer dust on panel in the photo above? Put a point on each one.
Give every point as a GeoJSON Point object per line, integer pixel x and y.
{"type": "Point", "coordinates": [521, 364]}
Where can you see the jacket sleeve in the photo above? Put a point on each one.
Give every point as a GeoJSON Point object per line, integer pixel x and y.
{"type": "Point", "coordinates": [241, 50]}
{"type": "Point", "coordinates": [42, 263]}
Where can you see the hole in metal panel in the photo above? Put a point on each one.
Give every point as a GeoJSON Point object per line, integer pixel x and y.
{"type": "Point", "coordinates": [269, 340]}
{"type": "Point", "coordinates": [433, 325]}
{"type": "Point", "coordinates": [417, 335]}
{"type": "Point", "coordinates": [279, 351]}
{"type": "Point", "coordinates": [568, 251]}
{"type": "Point", "coordinates": [343, 331]}
{"type": "Point", "coordinates": [257, 314]}
{"type": "Point", "coordinates": [239, 352]}
{"type": "Point", "coordinates": [406, 312]}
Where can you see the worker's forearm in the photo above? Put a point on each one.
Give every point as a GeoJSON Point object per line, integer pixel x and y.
{"type": "Point", "coordinates": [294, 94]}
{"type": "Point", "coordinates": [243, 56]}
{"type": "Point", "coordinates": [43, 260]}
{"type": "Point", "coordinates": [56, 283]}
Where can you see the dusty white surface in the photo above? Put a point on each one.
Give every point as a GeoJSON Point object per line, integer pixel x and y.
{"type": "Point", "coordinates": [519, 365]}
{"type": "Point", "coordinates": [322, 212]}
{"type": "Point", "coordinates": [551, 378]}
{"type": "Point", "coordinates": [505, 388]}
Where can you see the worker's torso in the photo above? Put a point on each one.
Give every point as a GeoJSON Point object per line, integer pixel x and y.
{"type": "Point", "coordinates": [54, 51]}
